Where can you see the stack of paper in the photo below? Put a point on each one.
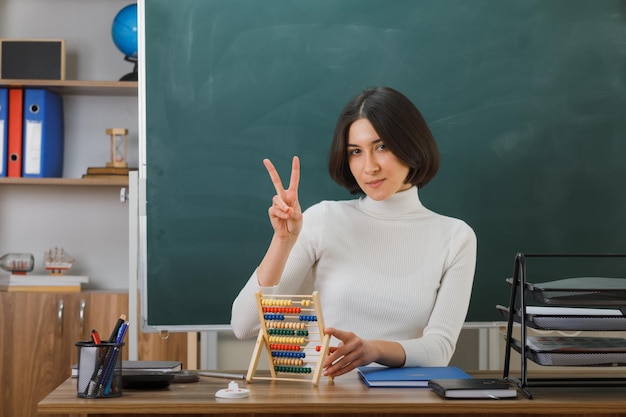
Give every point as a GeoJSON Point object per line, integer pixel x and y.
{"type": "Point", "coordinates": [33, 283]}
{"type": "Point", "coordinates": [576, 344]}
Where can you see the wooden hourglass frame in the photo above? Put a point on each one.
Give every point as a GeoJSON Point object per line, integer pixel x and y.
{"type": "Point", "coordinates": [119, 147]}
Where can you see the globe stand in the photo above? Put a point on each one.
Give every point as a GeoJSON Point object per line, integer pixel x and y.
{"type": "Point", "coordinates": [131, 76]}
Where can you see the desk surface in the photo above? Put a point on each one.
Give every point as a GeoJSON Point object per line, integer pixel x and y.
{"type": "Point", "coordinates": [348, 395]}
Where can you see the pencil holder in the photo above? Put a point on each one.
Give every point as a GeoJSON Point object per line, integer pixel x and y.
{"type": "Point", "coordinates": [99, 370]}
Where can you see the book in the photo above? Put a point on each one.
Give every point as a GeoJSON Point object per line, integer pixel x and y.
{"type": "Point", "coordinates": [473, 388]}
{"type": "Point", "coordinates": [147, 367]}
{"type": "Point", "coordinates": [152, 366]}
{"type": "Point", "coordinates": [407, 377]}
{"type": "Point", "coordinates": [40, 288]}
{"type": "Point", "coordinates": [104, 176]}
{"type": "Point", "coordinates": [56, 283]}
{"type": "Point", "coordinates": [109, 170]}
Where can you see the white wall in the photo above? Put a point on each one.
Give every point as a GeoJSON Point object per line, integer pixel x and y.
{"type": "Point", "coordinates": [90, 223]}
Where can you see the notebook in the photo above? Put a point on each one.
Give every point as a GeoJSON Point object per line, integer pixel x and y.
{"type": "Point", "coordinates": [408, 377]}
{"type": "Point", "coordinates": [143, 366]}
{"type": "Point", "coordinates": [473, 388]}
{"type": "Point", "coordinates": [152, 366]}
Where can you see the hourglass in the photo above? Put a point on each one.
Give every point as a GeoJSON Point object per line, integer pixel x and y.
{"type": "Point", "coordinates": [118, 147]}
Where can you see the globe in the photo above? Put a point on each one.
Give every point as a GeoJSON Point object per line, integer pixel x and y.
{"type": "Point", "coordinates": [124, 30]}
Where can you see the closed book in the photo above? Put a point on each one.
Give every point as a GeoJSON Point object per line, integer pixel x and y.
{"type": "Point", "coordinates": [40, 288]}
{"type": "Point", "coordinates": [109, 170]}
{"type": "Point", "coordinates": [105, 177]}
{"type": "Point", "coordinates": [493, 388]}
{"type": "Point", "coordinates": [152, 366]}
{"type": "Point", "coordinates": [13, 280]}
{"type": "Point", "coordinates": [408, 377]}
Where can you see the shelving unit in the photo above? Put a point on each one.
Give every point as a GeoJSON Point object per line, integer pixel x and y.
{"type": "Point", "coordinates": [106, 182]}
{"type": "Point", "coordinates": [80, 88]}
{"type": "Point", "coordinates": [583, 303]}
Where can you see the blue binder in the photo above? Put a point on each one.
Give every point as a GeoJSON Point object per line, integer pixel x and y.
{"type": "Point", "coordinates": [4, 106]}
{"type": "Point", "coordinates": [42, 151]}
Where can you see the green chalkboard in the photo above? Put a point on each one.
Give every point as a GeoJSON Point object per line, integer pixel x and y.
{"type": "Point", "coordinates": [527, 100]}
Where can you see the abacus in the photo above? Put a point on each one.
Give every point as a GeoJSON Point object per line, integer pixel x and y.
{"type": "Point", "coordinates": [292, 333]}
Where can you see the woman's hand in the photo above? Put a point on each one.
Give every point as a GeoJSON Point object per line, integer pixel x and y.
{"type": "Point", "coordinates": [285, 212]}
{"type": "Point", "coordinates": [353, 352]}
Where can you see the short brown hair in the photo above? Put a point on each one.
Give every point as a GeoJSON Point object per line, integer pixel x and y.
{"type": "Point", "coordinates": [401, 127]}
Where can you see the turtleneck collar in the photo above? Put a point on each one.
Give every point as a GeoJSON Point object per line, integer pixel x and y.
{"type": "Point", "coordinates": [404, 202]}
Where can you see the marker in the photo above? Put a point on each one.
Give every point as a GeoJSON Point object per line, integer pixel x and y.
{"type": "Point", "coordinates": [95, 337]}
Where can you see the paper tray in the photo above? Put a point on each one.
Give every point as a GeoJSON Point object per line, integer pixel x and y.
{"type": "Point", "coordinates": [582, 322]}
{"type": "Point", "coordinates": [597, 291]}
{"type": "Point", "coordinates": [573, 358]}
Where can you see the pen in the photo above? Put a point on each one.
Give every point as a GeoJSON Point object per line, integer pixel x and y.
{"type": "Point", "coordinates": [111, 371]}
{"type": "Point", "coordinates": [121, 333]}
{"type": "Point", "coordinates": [116, 329]}
{"type": "Point", "coordinates": [221, 375]}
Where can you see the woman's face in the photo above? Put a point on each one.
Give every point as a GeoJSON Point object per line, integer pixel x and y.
{"type": "Point", "coordinates": [377, 171]}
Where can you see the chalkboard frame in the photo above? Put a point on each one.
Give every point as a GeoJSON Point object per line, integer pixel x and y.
{"type": "Point", "coordinates": [533, 118]}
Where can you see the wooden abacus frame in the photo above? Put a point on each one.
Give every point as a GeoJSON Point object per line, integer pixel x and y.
{"type": "Point", "coordinates": [293, 336]}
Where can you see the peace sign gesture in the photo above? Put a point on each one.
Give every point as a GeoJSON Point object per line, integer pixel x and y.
{"type": "Point", "coordinates": [285, 212]}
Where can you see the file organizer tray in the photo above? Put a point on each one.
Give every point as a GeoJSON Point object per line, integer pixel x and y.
{"type": "Point", "coordinates": [572, 358]}
{"type": "Point", "coordinates": [581, 292]}
{"type": "Point", "coordinates": [574, 322]}
{"type": "Point", "coordinates": [599, 291]}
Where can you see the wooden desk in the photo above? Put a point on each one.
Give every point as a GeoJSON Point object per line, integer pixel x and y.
{"type": "Point", "coordinates": [348, 396]}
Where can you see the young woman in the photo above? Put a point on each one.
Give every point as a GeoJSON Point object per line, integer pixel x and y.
{"type": "Point", "coordinates": [394, 278]}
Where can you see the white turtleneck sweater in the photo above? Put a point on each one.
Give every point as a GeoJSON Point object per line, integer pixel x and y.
{"type": "Point", "coordinates": [388, 270]}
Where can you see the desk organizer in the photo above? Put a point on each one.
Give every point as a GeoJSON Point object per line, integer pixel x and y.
{"type": "Point", "coordinates": [99, 370]}
{"type": "Point", "coordinates": [587, 294]}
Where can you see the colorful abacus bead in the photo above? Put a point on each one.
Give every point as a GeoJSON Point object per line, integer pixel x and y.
{"type": "Point", "coordinates": [274, 317]}
{"type": "Point", "coordinates": [293, 369]}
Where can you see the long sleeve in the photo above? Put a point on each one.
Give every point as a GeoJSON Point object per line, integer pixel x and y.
{"type": "Point", "coordinates": [437, 345]}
